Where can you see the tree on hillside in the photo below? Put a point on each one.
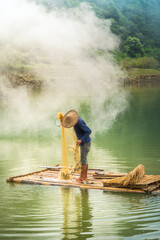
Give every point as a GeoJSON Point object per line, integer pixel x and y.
{"type": "Point", "coordinates": [134, 18]}
{"type": "Point", "coordinates": [134, 47]}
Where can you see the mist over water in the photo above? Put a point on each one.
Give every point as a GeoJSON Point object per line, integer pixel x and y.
{"type": "Point", "coordinates": [62, 47]}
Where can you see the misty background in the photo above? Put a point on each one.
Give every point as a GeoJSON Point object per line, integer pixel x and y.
{"type": "Point", "coordinates": [70, 50]}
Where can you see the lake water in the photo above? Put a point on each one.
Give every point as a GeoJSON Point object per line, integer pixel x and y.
{"type": "Point", "coordinates": [43, 212]}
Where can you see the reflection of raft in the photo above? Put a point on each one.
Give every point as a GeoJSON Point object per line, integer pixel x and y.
{"type": "Point", "coordinates": [97, 179]}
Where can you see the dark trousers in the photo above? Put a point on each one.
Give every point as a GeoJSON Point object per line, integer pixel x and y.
{"type": "Point", "coordinates": [84, 152]}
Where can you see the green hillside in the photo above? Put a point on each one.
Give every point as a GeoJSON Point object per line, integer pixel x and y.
{"type": "Point", "coordinates": [135, 21]}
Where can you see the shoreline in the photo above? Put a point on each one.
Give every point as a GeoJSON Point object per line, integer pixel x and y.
{"type": "Point", "coordinates": [31, 81]}
{"type": "Point", "coordinates": [139, 80]}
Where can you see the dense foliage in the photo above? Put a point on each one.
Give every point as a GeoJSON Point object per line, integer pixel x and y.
{"type": "Point", "coordinates": [135, 21]}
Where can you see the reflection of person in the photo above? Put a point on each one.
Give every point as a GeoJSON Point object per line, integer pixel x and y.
{"type": "Point", "coordinates": [76, 224]}
{"type": "Point", "coordinates": [84, 229]}
{"type": "Point", "coordinates": [71, 119]}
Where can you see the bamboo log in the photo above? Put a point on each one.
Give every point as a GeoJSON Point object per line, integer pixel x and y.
{"type": "Point", "coordinates": [108, 176]}
{"type": "Point", "coordinates": [77, 185]}
{"type": "Point", "coordinates": [150, 183]}
{"type": "Point", "coordinates": [10, 179]}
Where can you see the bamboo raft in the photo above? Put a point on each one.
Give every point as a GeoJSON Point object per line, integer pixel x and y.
{"type": "Point", "coordinates": [96, 180]}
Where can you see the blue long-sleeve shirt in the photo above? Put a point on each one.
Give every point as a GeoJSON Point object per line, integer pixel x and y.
{"type": "Point", "coordinates": [82, 131]}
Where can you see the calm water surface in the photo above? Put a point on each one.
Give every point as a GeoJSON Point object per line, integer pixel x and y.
{"type": "Point", "coordinates": [41, 212]}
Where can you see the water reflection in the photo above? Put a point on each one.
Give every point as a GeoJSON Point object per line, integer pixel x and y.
{"type": "Point", "coordinates": [135, 136]}
{"type": "Point", "coordinates": [138, 216]}
{"type": "Point", "coordinates": [103, 158]}
{"type": "Point", "coordinates": [77, 214]}
{"type": "Point", "coordinates": [40, 212]}
{"type": "Point", "coordinates": [19, 156]}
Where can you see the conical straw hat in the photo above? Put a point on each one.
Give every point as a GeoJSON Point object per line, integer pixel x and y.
{"type": "Point", "coordinates": [70, 119]}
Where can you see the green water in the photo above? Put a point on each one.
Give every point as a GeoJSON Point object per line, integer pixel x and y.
{"type": "Point", "coordinates": [41, 212]}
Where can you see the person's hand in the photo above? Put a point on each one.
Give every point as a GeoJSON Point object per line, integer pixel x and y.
{"type": "Point", "coordinates": [78, 142]}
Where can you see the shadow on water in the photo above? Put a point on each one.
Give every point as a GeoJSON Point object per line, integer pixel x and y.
{"type": "Point", "coordinates": [77, 213]}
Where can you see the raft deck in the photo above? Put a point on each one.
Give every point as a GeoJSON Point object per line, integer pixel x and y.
{"type": "Point", "coordinates": [51, 176]}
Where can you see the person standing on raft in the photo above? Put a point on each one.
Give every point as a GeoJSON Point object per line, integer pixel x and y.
{"type": "Point", "coordinates": [72, 119]}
